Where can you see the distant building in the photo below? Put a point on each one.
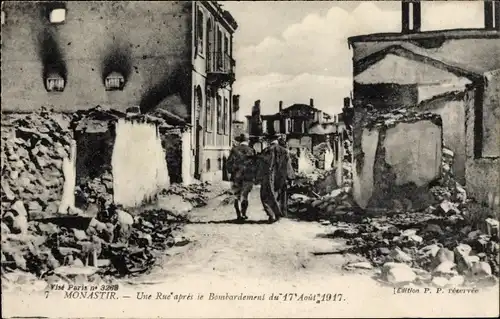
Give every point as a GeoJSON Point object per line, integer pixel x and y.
{"type": "Point", "coordinates": [453, 73]}
{"type": "Point", "coordinates": [238, 125]}
{"type": "Point", "coordinates": [303, 125]}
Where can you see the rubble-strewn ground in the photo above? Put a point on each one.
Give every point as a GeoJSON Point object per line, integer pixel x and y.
{"type": "Point", "coordinates": [219, 256]}
{"type": "Point", "coordinates": [109, 244]}
{"type": "Point", "coordinates": [454, 243]}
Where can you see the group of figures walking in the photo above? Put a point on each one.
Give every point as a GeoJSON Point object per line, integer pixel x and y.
{"type": "Point", "coordinates": [272, 169]}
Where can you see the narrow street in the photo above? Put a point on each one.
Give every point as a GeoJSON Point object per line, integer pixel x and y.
{"type": "Point", "coordinates": [221, 247]}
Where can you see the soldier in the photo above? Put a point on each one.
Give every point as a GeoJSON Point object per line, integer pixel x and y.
{"type": "Point", "coordinates": [241, 166]}
{"type": "Point", "coordinates": [276, 169]}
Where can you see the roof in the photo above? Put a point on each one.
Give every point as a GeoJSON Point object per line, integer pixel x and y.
{"type": "Point", "coordinates": [419, 55]}
{"type": "Point", "coordinates": [446, 34]}
{"type": "Point", "coordinates": [303, 106]}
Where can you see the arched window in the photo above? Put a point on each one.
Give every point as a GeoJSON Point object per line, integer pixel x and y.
{"type": "Point", "coordinates": [208, 41]}
{"type": "Point", "coordinates": [208, 165]}
{"type": "Point", "coordinates": [199, 102]}
{"type": "Point", "coordinates": [208, 113]}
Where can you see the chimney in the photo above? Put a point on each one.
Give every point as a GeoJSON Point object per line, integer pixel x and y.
{"type": "Point", "coordinates": [405, 16]}
{"type": "Point", "coordinates": [497, 15]}
{"type": "Point", "coordinates": [414, 24]}
{"type": "Point", "coordinates": [311, 102]}
{"type": "Point", "coordinates": [417, 16]}
{"type": "Point", "coordinates": [492, 15]}
{"type": "Point", "coordinates": [488, 15]}
{"type": "Point", "coordinates": [281, 106]}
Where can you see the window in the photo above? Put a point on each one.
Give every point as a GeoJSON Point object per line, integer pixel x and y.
{"type": "Point", "coordinates": [208, 165]}
{"type": "Point", "coordinates": [199, 31]}
{"type": "Point", "coordinates": [209, 111]}
{"type": "Point", "coordinates": [226, 45]}
{"type": "Point", "coordinates": [114, 81]}
{"type": "Point", "coordinates": [57, 15]}
{"type": "Point", "coordinates": [219, 115]}
{"type": "Point", "coordinates": [297, 126]}
{"type": "Point", "coordinates": [219, 48]}
{"type": "Point", "coordinates": [219, 163]}
{"type": "Point", "coordinates": [277, 126]}
{"type": "Point", "coordinates": [226, 118]}
{"type": "Point", "coordinates": [209, 40]}
{"type": "Point", "coordinates": [199, 102]}
{"type": "Point", "coordinates": [264, 127]}
{"type": "Point", "coordinates": [288, 127]}
{"type": "Point", "coordinates": [54, 83]}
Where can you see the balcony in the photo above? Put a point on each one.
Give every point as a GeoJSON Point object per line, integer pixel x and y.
{"type": "Point", "coordinates": [220, 69]}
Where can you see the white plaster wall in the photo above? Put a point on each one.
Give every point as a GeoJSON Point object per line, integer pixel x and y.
{"type": "Point", "coordinates": [69, 170]}
{"type": "Point", "coordinates": [138, 163]}
{"type": "Point", "coordinates": [187, 159]}
{"type": "Point", "coordinates": [363, 180]}
{"type": "Point", "coordinates": [396, 69]}
{"type": "Point", "coordinates": [414, 151]}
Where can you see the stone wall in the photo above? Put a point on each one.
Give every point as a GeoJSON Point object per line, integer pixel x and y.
{"type": "Point", "coordinates": [149, 43]}
{"type": "Point", "coordinates": [399, 156]}
{"type": "Point", "coordinates": [451, 108]}
{"type": "Point", "coordinates": [482, 174]}
{"type": "Point", "coordinates": [385, 95]}
{"type": "Point", "coordinates": [491, 115]}
{"type": "Point", "coordinates": [472, 49]}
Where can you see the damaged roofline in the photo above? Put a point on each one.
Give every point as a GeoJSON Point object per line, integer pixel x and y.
{"type": "Point", "coordinates": [399, 50]}
{"type": "Point", "coordinates": [449, 34]}
{"type": "Point", "coordinates": [221, 14]}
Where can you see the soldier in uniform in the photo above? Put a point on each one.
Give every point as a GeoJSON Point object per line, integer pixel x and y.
{"type": "Point", "coordinates": [241, 166]}
{"type": "Point", "coordinates": [276, 169]}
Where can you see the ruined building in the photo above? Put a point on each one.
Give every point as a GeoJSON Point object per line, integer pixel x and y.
{"type": "Point", "coordinates": [450, 73]}
{"type": "Point", "coordinates": [307, 129]}
{"type": "Point", "coordinates": [163, 65]}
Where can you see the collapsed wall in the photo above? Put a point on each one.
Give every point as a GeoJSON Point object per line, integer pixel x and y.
{"type": "Point", "coordinates": [33, 148]}
{"type": "Point", "coordinates": [43, 151]}
{"type": "Point", "coordinates": [398, 156]}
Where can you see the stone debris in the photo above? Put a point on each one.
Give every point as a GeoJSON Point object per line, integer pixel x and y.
{"type": "Point", "coordinates": [33, 148]}
{"type": "Point", "coordinates": [453, 242]}
{"type": "Point", "coordinates": [76, 246]}
{"type": "Point", "coordinates": [196, 194]}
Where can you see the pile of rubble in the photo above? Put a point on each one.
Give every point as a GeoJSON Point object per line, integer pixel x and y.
{"type": "Point", "coordinates": [196, 194]}
{"type": "Point", "coordinates": [314, 184]}
{"type": "Point", "coordinates": [114, 243]}
{"type": "Point", "coordinates": [434, 247]}
{"type": "Point", "coordinates": [338, 205]}
{"type": "Point", "coordinates": [33, 148]}
{"type": "Point", "coordinates": [100, 187]}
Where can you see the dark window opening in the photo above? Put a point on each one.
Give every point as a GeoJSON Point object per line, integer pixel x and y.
{"type": "Point", "coordinates": [54, 83]}
{"type": "Point", "coordinates": [114, 82]}
{"type": "Point", "coordinates": [199, 26]}
{"type": "Point", "coordinates": [219, 115]}
{"type": "Point", "coordinates": [209, 116]}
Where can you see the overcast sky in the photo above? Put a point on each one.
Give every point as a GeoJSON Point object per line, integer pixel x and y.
{"type": "Point", "coordinates": [293, 51]}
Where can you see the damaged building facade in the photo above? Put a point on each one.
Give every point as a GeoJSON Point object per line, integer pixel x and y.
{"type": "Point", "coordinates": [315, 139]}
{"type": "Point", "coordinates": [141, 99]}
{"type": "Point", "coordinates": [449, 73]}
